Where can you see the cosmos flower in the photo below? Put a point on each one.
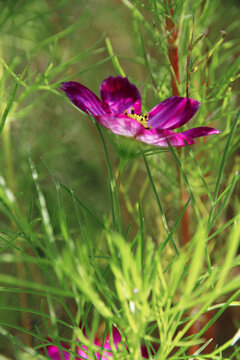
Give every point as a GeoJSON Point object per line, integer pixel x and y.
{"type": "Point", "coordinates": [119, 110]}
{"type": "Point", "coordinates": [105, 350]}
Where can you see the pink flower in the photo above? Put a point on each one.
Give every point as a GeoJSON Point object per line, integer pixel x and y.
{"type": "Point", "coordinates": [105, 350]}
{"type": "Point", "coordinates": [119, 110]}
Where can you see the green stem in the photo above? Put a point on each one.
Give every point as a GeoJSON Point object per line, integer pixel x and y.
{"type": "Point", "coordinates": [113, 187]}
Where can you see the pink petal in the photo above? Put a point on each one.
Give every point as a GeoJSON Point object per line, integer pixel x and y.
{"type": "Point", "coordinates": [82, 352]}
{"type": "Point", "coordinates": [54, 353]}
{"type": "Point", "coordinates": [120, 124]}
{"type": "Point", "coordinates": [116, 336]}
{"type": "Point", "coordinates": [200, 131]}
{"type": "Point", "coordinates": [84, 98]}
{"type": "Point", "coordinates": [159, 138]}
{"type": "Point", "coordinates": [172, 113]}
{"type": "Point", "coordinates": [120, 95]}
{"type": "Point", "coordinates": [101, 354]}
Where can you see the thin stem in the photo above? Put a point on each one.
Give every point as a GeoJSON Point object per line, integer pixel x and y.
{"type": "Point", "coordinates": [172, 47]}
{"type": "Point", "coordinates": [112, 181]}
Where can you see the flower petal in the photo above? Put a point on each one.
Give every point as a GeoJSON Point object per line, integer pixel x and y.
{"type": "Point", "coordinates": [120, 124]}
{"type": "Point", "coordinates": [172, 113]}
{"type": "Point", "coordinates": [55, 354]}
{"type": "Point", "coordinates": [116, 336]}
{"type": "Point", "coordinates": [120, 95]}
{"type": "Point", "coordinates": [158, 137]}
{"type": "Point", "coordinates": [83, 98]}
{"type": "Point", "coordinates": [82, 352]}
{"type": "Point", "coordinates": [200, 131]}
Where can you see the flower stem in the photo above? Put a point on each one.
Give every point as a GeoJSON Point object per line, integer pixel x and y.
{"type": "Point", "coordinates": [172, 48]}
{"type": "Point", "coordinates": [115, 201]}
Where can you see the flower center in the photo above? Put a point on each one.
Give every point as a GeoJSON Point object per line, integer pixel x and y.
{"type": "Point", "coordinates": [142, 119]}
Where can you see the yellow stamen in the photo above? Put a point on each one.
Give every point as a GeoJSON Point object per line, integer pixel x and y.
{"type": "Point", "coordinates": [142, 119]}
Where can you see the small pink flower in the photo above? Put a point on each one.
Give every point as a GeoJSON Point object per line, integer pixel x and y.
{"type": "Point", "coordinates": [105, 350]}
{"type": "Point", "coordinates": [119, 110]}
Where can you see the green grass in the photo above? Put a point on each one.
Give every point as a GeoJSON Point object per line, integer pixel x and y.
{"type": "Point", "coordinates": [90, 223]}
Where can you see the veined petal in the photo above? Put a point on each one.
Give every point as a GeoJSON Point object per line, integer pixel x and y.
{"type": "Point", "coordinates": [120, 95]}
{"type": "Point", "coordinates": [172, 113]}
{"type": "Point", "coordinates": [120, 124]}
{"type": "Point", "coordinates": [83, 98]}
{"type": "Point", "coordinates": [200, 131]}
{"type": "Point", "coordinates": [158, 137]}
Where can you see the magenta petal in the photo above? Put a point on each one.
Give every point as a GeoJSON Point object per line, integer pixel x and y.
{"type": "Point", "coordinates": [162, 137]}
{"type": "Point", "coordinates": [120, 95]}
{"type": "Point", "coordinates": [120, 124]}
{"type": "Point", "coordinates": [82, 352]}
{"type": "Point", "coordinates": [83, 98]}
{"type": "Point", "coordinates": [144, 352]}
{"type": "Point", "coordinates": [54, 353]}
{"type": "Point", "coordinates": [116, 336]}
{"type": "Point", "coordinates": [172, 113]}
{"type": "Point", "coordinates": [200, 131]}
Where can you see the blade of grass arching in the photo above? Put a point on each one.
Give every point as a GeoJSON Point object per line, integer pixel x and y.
{"type": "Point", "coordinates": [39, 313]}
{"type": "Point", "coordinates": [61, 34]}
{"type": "Point", "coordinates": [222, 165]}
{"type": "Point", "coordinates": [112, 180]}
{"type": "Point", "coordinates": [229, 188]}
{"type": "Point", "coordinates": [17, 344]}
{"type": "Point", "coordinates": [80, 203]}
{"type": "Point", "coordinates": [127, 231]}
{"type": "Point", "coordinates": [219, 230]}
{"type": "Point", "coordinates": [162, 245]}
{"type": "Point", "coordinates": [227, 193]}
{"type": "Point", "coordinates": [10, 209]}
{"type": "Point", "coordinates": [51, 72]}
{"type": "Point", "coordinates": [10, 244]}
{"type": "Point", "coordinates": [114, 58]}
{"type": "Point", "coordinates": [8, 107]}
{"type": "Point", "coordinates": [51, 246]}
{"type": "Point", "coordinates": [60, 68]}
{"type": "Point", "coordinates": [32, 285]}
{"type": "Point", "coordinates": [70, 77]}
{"type": "Point", "coordinates": [158, 202]}
{"type": "Point", "coordinates": [15, 76]}
{"type": "Point", "coordinates": [62, 216]}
